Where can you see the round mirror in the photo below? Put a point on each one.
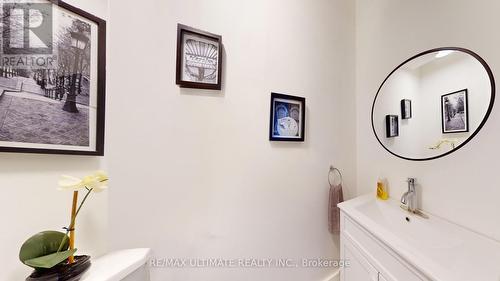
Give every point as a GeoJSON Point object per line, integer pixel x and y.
{"type": "Point", "coordinates": [433, 103]}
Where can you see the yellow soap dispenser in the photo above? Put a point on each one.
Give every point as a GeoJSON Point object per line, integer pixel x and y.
{"type": "Point", "coordinates": [382, 192]}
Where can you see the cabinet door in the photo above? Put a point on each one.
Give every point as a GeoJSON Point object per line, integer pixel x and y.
{"type": "Point", "coordinates": [359, 268]}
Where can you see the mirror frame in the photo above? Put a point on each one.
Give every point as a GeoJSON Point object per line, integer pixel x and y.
{"type": "Point", "coordinates": [488, 112]}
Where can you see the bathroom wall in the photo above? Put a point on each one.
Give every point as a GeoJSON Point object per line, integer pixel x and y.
{"type": "Point", "coordinates": [194, 174]}
{"type": "Point", "coordinates": [460, 187]}
{"type": "Point", "coordinates": [30, 201]}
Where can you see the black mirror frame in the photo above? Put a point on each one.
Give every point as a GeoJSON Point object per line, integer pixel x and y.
{"type": "Point", "coordinates": [488, 112]}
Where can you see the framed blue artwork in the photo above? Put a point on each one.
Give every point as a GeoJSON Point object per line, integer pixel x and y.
{"type": "Point", "coordinates": [287, 118]}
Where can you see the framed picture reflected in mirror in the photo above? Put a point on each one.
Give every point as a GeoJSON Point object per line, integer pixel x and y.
{"type": "Point", "coordinates": [455, 112]}
{"type": "Point", "coordinates": [406, 110]}
{"type": "Point", "coordinates": [392, 126]}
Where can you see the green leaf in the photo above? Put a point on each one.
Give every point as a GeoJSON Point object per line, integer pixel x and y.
{"type": "Point", "coordinates": [49, 261]}
{"type": "Point", "coordinates": [42, 244]}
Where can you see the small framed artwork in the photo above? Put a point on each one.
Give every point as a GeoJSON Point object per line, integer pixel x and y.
{"type": "Point", "coordinates": [392, 126]}
{"type": "Point", "coordinates": [455, 112]}
{"type": "Point", "coordinates": [406, 112]}
{"type": "Point", "coordinates": [199, 59]}
{"type": "Point", "coordinates": [287, 118]}
{"type": "Point", "coordinates": [53, 102]}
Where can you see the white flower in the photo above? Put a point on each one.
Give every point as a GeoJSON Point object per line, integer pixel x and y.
{"type": "Point", "coordinates": [97, 182]}
{"type": "Point", "coordinates": [70, 183]}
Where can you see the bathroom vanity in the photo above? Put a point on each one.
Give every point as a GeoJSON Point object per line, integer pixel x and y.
{"type": "Point", "coordinates": [383, 242]}
{"type": "Point", "coordinates": [124, 265]}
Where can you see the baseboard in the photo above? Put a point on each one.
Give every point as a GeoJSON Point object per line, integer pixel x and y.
{"type": "Point", "coordinates": [335, 276]}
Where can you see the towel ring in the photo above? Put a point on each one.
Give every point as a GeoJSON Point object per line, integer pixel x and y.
{"type": "Point", "coordinates": [333, 170]}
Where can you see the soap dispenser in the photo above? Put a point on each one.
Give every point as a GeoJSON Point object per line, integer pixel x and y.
{"type": "Point", "coordinates": [382, 192]}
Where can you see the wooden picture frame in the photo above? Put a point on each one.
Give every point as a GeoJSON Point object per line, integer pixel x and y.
{"type": "Point", "coordinates": [199, 59]}
{"type": "Point", "coordinates": [455, 112]}
{"type": "Point", "coordinates": [67, 96]}
{"type": "Point", "coordinates": [287, 118]}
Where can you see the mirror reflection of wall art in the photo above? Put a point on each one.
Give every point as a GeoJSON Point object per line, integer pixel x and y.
{"type": "Point", "coordinates": [392, 125]}
{"type": "Point", "coordinates": [406, 109]}
{"type": "Point", "coordinates": [199, 59]}
{"type": "Point", "coordinates": [52, 95]}
{"type": "Point", "coordinates": [455, 113]}
{"type": "Point", "coordinates": [287, 118]}
{"type": "Point", "coordinates": [423, 79]}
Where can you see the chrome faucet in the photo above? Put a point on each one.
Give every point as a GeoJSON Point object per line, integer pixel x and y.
{"type": "Point", "coordinates": [409, 198]}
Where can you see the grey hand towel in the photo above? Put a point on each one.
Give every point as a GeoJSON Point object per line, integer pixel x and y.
{"type": "Point", "coordinates": [336, 196]}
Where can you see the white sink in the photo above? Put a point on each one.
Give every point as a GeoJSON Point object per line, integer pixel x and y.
{"type": "Point", "coordinates": [425, 233]}
{"type": "Point", "coordinates": [440, 249]}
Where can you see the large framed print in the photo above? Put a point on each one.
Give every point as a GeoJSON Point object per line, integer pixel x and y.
{"type": "Point", "coordinates": [288, 117]}
{"type": "Point", "coordinates": [199, 59]}
{"type": "Point", "coordinates": [52, 79]}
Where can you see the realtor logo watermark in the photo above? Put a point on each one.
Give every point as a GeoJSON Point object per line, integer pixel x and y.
{"type": "Point", "coordinates": [27, 35]}
{"type": "Point", "coordinates": [247, 263]}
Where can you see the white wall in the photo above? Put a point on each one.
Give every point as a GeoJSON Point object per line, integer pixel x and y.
{"type": "Point", "coordinates": [462, 186]}
{"type": "Point", "coordinates": [30, 202]}
{"type": "Point", "coordinates": [194, 174]}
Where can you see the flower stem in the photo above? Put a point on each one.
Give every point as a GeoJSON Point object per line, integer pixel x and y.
{"type": "Point", "coordinates": [72, 230]}
{"type": "Point", "coordinates": [73, 219]}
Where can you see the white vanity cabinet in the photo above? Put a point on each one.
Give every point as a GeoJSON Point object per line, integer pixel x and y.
{"type": "Point", "coordinates": [369, 259]}
{"type": "Point", "coordinates": [360, 269]}
{"type": "Point", "coordinates": [382, 242]}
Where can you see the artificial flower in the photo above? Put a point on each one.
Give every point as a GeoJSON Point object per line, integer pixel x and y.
{"type": "Point", "coordinates": [70, 183]}
{"type": "Point", "coordinates": [96, 182]}
{"type": "Point", "coordinates": [101, 175]}
{"type": "Point", "coordinates": [100, 181]}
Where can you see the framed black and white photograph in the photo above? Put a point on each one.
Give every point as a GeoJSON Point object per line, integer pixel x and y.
{"type": "Point", "coordinates": [392, 125]}
{"type": "Point", "coordinates": [199, 59]}
{"type": "Point", "coordinates": [52, 82]}
{"type": "Point", "coordinates": [455, 112]}
{"type": "Point", "coordinates": [406, 112]}
{"type": "Point", "coordinates": [288, 116]}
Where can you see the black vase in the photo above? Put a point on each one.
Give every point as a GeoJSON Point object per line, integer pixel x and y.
{"type": "Point", "coordinates": [62, 272]}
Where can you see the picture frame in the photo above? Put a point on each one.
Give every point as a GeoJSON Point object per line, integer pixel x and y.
{"type": "Point", "coordinates": [455, 112]}
{"type": "Point", "coordinates": [64, 90]}
{"type": "Point", "coordinates": [199, 59]}
{"type": "Point", "coordinates": [406, 109]}
{"type": "Point", "coordinates": [392, 126]}
{"type": "Point", "coordinates": [287, 118]}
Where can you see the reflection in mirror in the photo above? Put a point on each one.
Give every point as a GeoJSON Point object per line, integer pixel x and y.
{"type": "Point", "coordinates": [433, 103]}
